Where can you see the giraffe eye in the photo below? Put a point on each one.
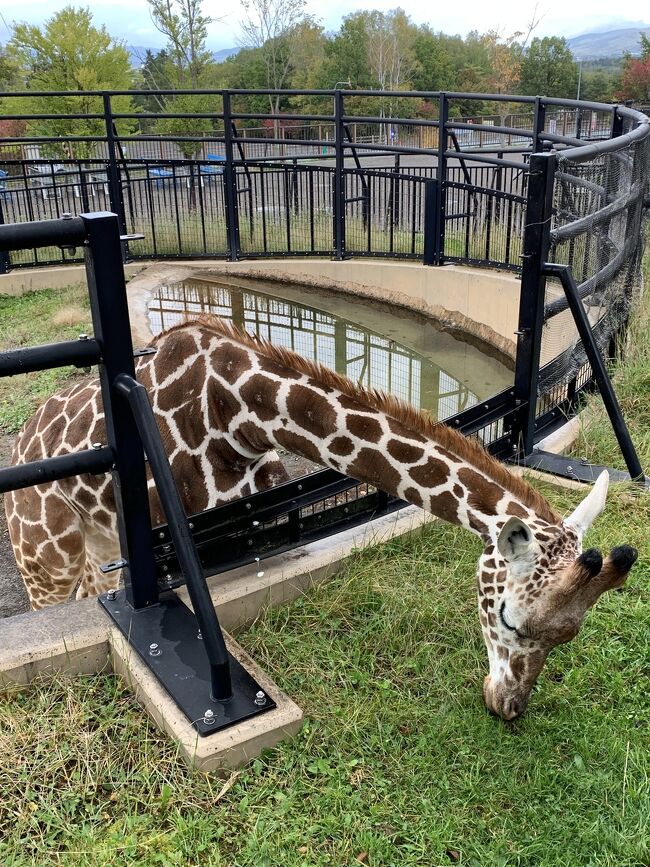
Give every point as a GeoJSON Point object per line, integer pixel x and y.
{"type": "Point", "coordinates": [507, 625]}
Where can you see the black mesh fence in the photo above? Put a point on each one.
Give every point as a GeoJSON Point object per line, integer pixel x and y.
{"type": "Point", "coordinates": [597, 231]}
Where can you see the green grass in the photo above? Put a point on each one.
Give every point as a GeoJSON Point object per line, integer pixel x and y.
{"type": "Point", "coordinates": [398, 763]}
{"type": "Point", "coordinates": [47, 316]}
{"type": "Point", "coordinates": [398, 759]}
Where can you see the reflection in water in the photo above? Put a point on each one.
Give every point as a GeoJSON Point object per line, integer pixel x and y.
{"type": "Point", "coordinates": [337, 340]}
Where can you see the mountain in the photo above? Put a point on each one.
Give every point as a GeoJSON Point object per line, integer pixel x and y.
{"type": "Point", "coordinates": [137, 54]}
{"type": "Point", "coordinates": [224, 54]}
{"type": "Point", "coordinates": [610, 43]}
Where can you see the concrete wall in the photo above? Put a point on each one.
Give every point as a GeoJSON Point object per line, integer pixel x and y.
{"type": "Point", "coordinates": [477, 301]}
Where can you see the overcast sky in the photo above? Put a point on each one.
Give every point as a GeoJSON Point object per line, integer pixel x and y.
{"type": "Point", "coordinates": [129, 19]}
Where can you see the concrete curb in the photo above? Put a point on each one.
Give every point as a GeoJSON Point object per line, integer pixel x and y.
{"type": "Point", "coordinates": [79, 638]}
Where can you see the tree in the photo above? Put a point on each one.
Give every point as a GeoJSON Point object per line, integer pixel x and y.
{"type": "Point", "coordinates": [549, 69]}
{"type": "Point", "coordinates": [9, 70]}
{"type": "Point", "coordinates": [273, 27]}
{"type": "Point", "coordinates": [635, 77]}
{"type": "Point", "coordinates": [186, 29]}
{"type": "Point", "coordinates": [69, 53]}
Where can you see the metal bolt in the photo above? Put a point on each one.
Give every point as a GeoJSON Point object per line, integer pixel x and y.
{"type": "Point", "coordinates": [97, 445]}
{"type": "Point", "coordinates": [299, 487]}
{"type": "Point", "coordinates": [191, 525]}
{"type": "Point", "coordinates": [165, 568]}
{"type": "Point", "coordinates": [260, 698]}
{"type": "Point", "coordinates": [249, 542]}
{"type": "Point", "coordinates": [154, 650]}
{"type": "Point", "coordinates": [82, 337]}
{"type": "Point", "coordinates": [208, 717]}
{"type": "Point", "coordinates": [248, 506]}
{"type": "Point", "coordinates": [66, 216]}
{"type": "Point", "coordinates": [111, 595]}
{"type": "Point", "coordinates": [199, 636]}
{"type": "Point", "coordinates": [161, 535]}
{"type": "Point", "coordinates": [256, 523]}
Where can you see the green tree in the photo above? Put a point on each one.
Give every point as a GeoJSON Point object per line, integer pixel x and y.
{"type": "Point", "coordinates": [273, 27]}
{"type": "Point", "coordinates": [69, 53]}
{"type": "Point", "coordinates": [186, 29]}
{"type": "Point", "coordinates": [549, 69]}
{"type": "Point", "coordinates": [9, 70]}
{"type": "Point", "coordinates": [597, 85]}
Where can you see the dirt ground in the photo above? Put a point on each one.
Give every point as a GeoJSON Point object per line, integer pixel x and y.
{"type": "Point", "coordinates": [13, 599]}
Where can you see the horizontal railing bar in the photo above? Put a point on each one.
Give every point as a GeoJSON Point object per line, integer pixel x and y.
{"type": "Point", "coordinates": [492, 161]}
{"type": "Point", "coordinates": [390, 121]}
{"type": "Point", "coordinates": [93, 461]}
{"type": "Point", "coordinates": [80, 116]}
{"type": "Point", "coordinates": [584, 224]}
{"type": "Point", "coordinates": [149, 115]}
{"type": "Point", "coordinates": [485, 191]}
{"type": "Point", "coordinates": [80, 353]}
{"type": "Point", "coordinates": [500, 130]}
{"type": "Point", "coordinates": [323, 118]}
{"type": "Point", "coordinates": [67, 232]}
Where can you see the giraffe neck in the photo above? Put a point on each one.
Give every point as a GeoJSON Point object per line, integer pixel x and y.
{"type": "Point", "coordinates": [264, 404]}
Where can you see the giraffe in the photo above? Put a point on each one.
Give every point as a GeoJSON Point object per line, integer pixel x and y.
{"type": "Point", "coordinates": [225, 401]}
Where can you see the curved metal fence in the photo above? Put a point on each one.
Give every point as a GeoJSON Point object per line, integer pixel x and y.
{"type": "Point", "coordinates": [412, 175]}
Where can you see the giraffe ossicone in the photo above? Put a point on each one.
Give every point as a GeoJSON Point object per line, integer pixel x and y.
{"type": "Point", "coordinates": [225, 401]}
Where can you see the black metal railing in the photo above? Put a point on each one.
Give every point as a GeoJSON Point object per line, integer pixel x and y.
{"type": "Point", "coordinates": [552, 182]}
{"type": "Point", "coordinates": [131, 431]}
{"type": "Point", "coordinates": [256, 184]}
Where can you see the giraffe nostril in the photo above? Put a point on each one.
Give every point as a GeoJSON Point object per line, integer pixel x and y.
{"type": "Point", "coordinates": [592, 560]}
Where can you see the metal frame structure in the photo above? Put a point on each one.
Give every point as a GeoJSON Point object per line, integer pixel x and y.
{"type": "Point", "coordinates": [185, 650]}
{"type": "Point", "coordinates": [484, 205]}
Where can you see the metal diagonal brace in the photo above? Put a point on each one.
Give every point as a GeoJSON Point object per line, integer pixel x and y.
{"type": "Point", "coordinates": [564, 275]}
{"type": "Point", "coordinates": [213, 641]}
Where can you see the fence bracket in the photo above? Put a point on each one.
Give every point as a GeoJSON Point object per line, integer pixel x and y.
{"type": "Point", "coordinates": [167, 639]}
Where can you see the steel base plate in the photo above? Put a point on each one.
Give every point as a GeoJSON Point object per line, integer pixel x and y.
{"type": "Point", "coordinates": [180, 663]}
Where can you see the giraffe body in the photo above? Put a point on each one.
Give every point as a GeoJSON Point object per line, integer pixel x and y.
{"type": "Point", "coordinates": [224, 402]}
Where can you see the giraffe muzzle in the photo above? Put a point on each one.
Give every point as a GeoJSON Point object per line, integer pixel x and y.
{"type": "Point", "coordinates": [502, 701]}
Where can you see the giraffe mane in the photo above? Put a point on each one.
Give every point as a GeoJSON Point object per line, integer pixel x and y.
{"type": "Point", "coordinates": [470, 451]}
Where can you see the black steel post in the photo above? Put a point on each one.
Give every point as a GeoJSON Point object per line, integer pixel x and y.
{"type": "Point", "coordinates": [443, 117]}
{"type": "Point", "coordinates": [617, 123]}
{"type": "Point", "coordinates": [563, 273]}
{"type": "Point", "coordinates": [138, 401]}
{"type": "Point", "coordinates": [4, 254]}
{"type": "Point", "coordinates": [338, 204]}
{"type": "Point", "coordinates": [539, 120]}
{"type": "Point", "coordinates": [110, 315]}
{"type": "Point", "coordinates": [230, 183]}
{"type": "Point", "coordinates": [431, 215]}
{"type": "Point", "coordinates": [539, 208]}
{"type": "Point", "coordinates": [113, 172]}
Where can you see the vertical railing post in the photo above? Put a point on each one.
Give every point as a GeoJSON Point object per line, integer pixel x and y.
{"type": "Point", "coordinates": [537, 230]}
{"type": "Point", "coordinates": [431, 215]}
{"type": "Point", "coordinates": [443, 117]}
{"type": "Point", "coordinates": [110, 315]}
{"type": "Point", "coordinates": [113, 173]}
{"type": "Point", "coordinates": [617, 123]}
{"type": "Point", "coordinates": [230, 183]}
{"type": "Point", "coordinates": [338, 203]}
{"type": "Point", "coordinates": [539, 120]}
{"type": "Point", "coordinates": [4, 254]}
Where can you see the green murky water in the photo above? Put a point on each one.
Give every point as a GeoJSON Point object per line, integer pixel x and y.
{"type": "Point", "coordinates": [372, 343]}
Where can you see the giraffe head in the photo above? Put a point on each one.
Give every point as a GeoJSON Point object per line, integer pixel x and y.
{"type": "Point", "coordinates": [534, 591]}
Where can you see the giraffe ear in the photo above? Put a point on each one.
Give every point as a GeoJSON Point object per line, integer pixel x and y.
{"type": "Point", "coordinates": [588, 510]}
{"type": "Point", "coordinates": [516, 542]}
